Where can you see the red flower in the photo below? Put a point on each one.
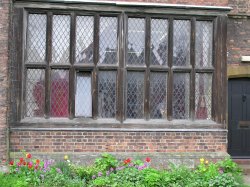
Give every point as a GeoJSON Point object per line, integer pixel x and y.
{"type": "Point", "coordinates": [21, 160]}
{"type": "Point", "coordinates": [127, 161]}
{"type": "Point", "coordinates": [36, 166]}
{"type": "Point", "coordinates": [37, 161]}
{"type": "Point", "coordinates": [11, 163]}
{"type": "Point", "coordinates": [28, 155]}
{"type": "Point", "coordinates": [24, 163]}
{"type": "Point", "coordinates": [148, 159]}
{"type": "Point", "coordinates": [19, 164]}
{"type": "Point", "coordinates": [30, 165]}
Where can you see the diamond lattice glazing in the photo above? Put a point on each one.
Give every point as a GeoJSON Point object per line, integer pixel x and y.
{"type": "Point", "coordinates": [136, 41]}
{"type": "Point", "coordinates": [35, 93]}
{"type": "Point", "coordinates": [84, 39]}
{"type": "Point", "coordinates": [158, 95]}
{"type": "Point", "coordinates": [135, 95]}
{"type": "Point", "coordinates": [108, 40]}
{"type": "Point", "coordinates": [60, 39]}
{"type": "Point", "coordinates": [107, 94]}
{"type": "Point", "coordinates": [36, 38]}
{"type": "Point", "coordinates": [159, 41]}
{"type": "Point", "coordinates": [83, 98]}
{"type": "Point", "coordinates": [59, 93]}
{"type": "Point", "coordinates": [203, 43]}
{"type": "Point", "coordinates": [203, 95]}
{"type": "Point", "coordinates": [181, 43]}
{"type": "Point", "coordinates": [181, 92]}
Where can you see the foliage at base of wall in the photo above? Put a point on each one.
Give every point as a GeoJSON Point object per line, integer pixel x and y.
{"type": "Point", "coordinates": [109, 171]}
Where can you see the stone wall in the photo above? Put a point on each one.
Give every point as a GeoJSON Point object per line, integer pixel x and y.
{"type": "Point", "coordinates": [4, 33]}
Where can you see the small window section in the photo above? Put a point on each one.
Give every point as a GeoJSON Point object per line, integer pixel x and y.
{"type": "Point", "coordinates": [181, 42]}
{"type": "Point", "coordinates": [36, 38]}
{"type": "Point", "coordinates": [59, 93]}
{"type": "Point", "coordinates": [136, 41]}
{"type": "Point", "coordinates": [159, 42]}
{"type": "Point", "coordinates": [108, 40]}
{"type": "Point", "coordinates": [181, 92]}
{"type": "Point", "coordinates": [203, 43]}
{"type": "Point", "coordinates": [35, 93]}
{"type": "Point", "coordinates": [203, 95]}
{"type": "Point", "coordinates": [60, 39]}
{"type": "Point", "coordinates": [83, 97]}
{"type": "Point", "coordinates": [84, 39]}
{"type": "Point", "coordinates": [107, 94]}
{"type": "Point", "coordinates": [158, 95]}
{"type": "Point", "coordinates": [135, 95]}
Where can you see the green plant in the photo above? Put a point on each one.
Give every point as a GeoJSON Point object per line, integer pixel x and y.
{"type": "Point", "coordinates": [106, 162]}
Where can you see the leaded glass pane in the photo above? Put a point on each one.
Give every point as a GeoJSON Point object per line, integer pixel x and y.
{"type": "Point", "coordinates": [60, 39]}
{"type": "Point", "coordinates": [35, 93]}
{"type": "Point", "coordinates": [107, 94]}
{"type": "Point", "coordinates": [135, 95]}
{"type": "Point", "coordinates": [203, 95]}
{"type": "Point", "coordinates": [36, 38]}
{"type": "Point", "coordinates": [203, 43]}
{"type": "Point", "coordinates": [59, 94]}
{"type": "Point", "coordinates": [158, 95]}
{"type": "Point", "coordinates": [84, 39]}
{"type": "Point", "coordinates": [108, 40]}
{"type": "Point", "coordinates": [136, 41]}
{"type": "Point", "coordinates": [181, 42]}
{"type": "Point", "coordinates": [83, 97]}
{"type": "Point", "coordinates": [181, 92]}
{"type": "Point", "coordinates": [159, 41]}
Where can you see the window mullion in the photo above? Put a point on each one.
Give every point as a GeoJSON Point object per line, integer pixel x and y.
{"type": "Point", "coordinates": [170, 74]}
{"type": "Point", "coordinates": [48, 62]}
{"type": "Point", "coordinates": [71, 70]}
{"type": "Point", "coordinates": [147, 72]}
{"type": "Point", "coordinates": [95, 70]}
{"type": "Point", "coordinates": [192, 76]}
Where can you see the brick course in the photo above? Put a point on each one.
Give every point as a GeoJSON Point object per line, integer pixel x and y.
{"type": "Point", "coordinates": [94, 141]}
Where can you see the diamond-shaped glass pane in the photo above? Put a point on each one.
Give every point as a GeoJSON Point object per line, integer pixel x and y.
{"type": "Point", "coordinates": [83, 97]}
{"type": "Point", "coordinates": [158, 95]}
{"type": "Point", "coordinates": [159, 41]}
{"type": "Point", "coordinates": [59, 93]}
{"type": "Point", "coordinates": [84, 39]}
{"type": "Point", "coordinates": [108, 40]}
{"type": "Point", "coordinates": [136, 41]}
{"type": "Point", "coordinates": [135, 95]}
{"type": "Point", "coordinates": [60, 39]}
{"type": "Point", "coordinates": [181, 92]}
{"type": "Point", "coordinates": [203, 95]}
{"type": "Point", "coordinates": [203, 43]}
{"type": "Point", "coordinates": [35, 93]}
{"type": "Point", "coordinates": [181, 42]}
{"type": "Point", "coordinates": [36, 38]}
{"type": "Point", "coordinates": [107, 94]}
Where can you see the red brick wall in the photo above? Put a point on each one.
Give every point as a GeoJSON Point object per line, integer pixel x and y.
{"type": "Point", "coordinates": [194, 2]}
{"type": "Point", "coordinates": [94, 141]}
{"type": "Point", "coordinates": [4, 29]}
{"type": "Point", "coordinates": [239, 6]}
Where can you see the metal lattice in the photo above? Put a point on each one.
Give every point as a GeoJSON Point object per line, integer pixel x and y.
{"type": "Point", "coordinates": [59, 93]}
{"type": "Point", "coordinates": [36, 38]}
{"type": "Point", "coordinates": [107, 94]}
{"type": "Point", "coordinates": [181, 92]}
{"type": "Point", "coordinates": [158, 95]}
{"type": "Point", "coordinates": [108, 40]}
{"type": "Point", "coordinates": [83, 97]}
{"type": "Point", "coordinates": [159, 41]}
{"type": "Point", "coordinates": [203, 95]}
{"type": "Point", "coordinates": [84, 39]}
{"type": "Point", "coordinates": [135, 95]}
{"type": "Point", "coordinates": [203, 43]}
{"type": "Point", "coordinates": [35, 93]}
{"type": "Point", "coordinates": [60, 39]}
{"type": "Point", "coordinates": [136, 41]}
{"type": "Point", "coordinates": [181, 42]}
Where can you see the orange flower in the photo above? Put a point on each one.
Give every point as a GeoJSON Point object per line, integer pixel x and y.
{"type": "Point", "coordinates": [28, 155]}
{"type": "Point", "coordinates": [127, 161]}
{"type": "Point", "coordinates": [37, 161]}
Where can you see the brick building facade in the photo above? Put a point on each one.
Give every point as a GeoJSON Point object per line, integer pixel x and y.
{"type": "Point", "coordinates": [198, 134]}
